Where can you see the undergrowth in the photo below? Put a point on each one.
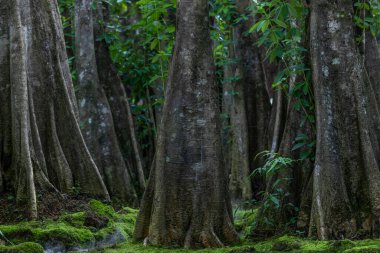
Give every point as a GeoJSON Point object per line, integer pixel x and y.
{"type": "Point", "coordinates": [102, 220]}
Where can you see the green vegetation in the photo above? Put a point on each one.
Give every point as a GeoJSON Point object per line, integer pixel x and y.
{"type": "Point", "coordinates": [71, 229]}
{"type": "Point", "coordinates": [280, 244]}
{"type": "Point", "coordinates": [28, 247]}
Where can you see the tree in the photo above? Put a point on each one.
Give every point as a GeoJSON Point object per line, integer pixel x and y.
{"type": "Point", "coordinates": [41, 144]}
{"type": "Point", "coordinates": [256, 98]}
{"type": "Point", "coordinates": [246, 101]}
{"type": "Point", "coordinates": [187, 202]}
{"type": "Point", "coordinates": [346, 177]}
{"type": "Point", "coordinates": [105, 116]}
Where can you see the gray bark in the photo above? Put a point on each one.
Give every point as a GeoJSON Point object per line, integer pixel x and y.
{"type": "Point", "coordinates": [240, 183]}
{"type": "Point", "coordinates": [98, 81]}
{"type": "Point", "coordinates": [41, 146]}
{"type": "Point", "coordinates": [187, 201]}
{"type": "Point", "coordinates": [346, 179]}
{"type": "Point", "coordinates": [256, 95]}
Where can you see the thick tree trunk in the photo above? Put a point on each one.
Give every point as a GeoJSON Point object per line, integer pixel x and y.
{"type": "Point", "coordinates": [41, 146]}
{"type": "Point", "coordinates": [98, 81]}
{"type": "Point", "coordinates": [187, 201]}
{"type": "Point", "coordinates": [346, 180]}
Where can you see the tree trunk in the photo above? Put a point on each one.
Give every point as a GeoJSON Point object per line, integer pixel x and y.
{"type": "Point", "coordinates": [372, 62]}
{"type": "Point", "coordinates": [187, 201]}
{"type": "Point", "coordinates": [256, 96]}
{"type": "Point", "coordinates": [346, 179]}
{"type": "Point", "coordinates": [240, 183]}
{"type": "Point", "coordinates": [119, 104]}
{"type": "Point", "coordinates": [101, 99]}
{"type": "Point", "coordinates": [41, 146]}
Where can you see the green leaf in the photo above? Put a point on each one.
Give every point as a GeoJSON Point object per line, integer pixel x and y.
{"type": "Point", "coordinates": [298, 146]}
{"type": "Point", "coordinates": [274, 200]}
{"type": "Point", "coordinates": [281, 23]}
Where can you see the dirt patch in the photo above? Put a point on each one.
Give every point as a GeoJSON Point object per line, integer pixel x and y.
{"type": "Point", "coordinates": [50, 206]}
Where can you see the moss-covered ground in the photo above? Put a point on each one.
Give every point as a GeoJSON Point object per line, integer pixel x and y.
{"type": "Point", "coordinates": [102, 220]}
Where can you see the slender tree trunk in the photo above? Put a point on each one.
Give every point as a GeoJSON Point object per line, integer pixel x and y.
{"type": "Point", "coordinates": [41, 146]}
{"type": "Point", "coordinates": [346, 179]}
{"type": "Point", "coordinates": [278, 119]}
{"type": "Point", "coordinates": [188, 164]}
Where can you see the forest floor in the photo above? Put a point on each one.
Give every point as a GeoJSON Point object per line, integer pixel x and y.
{"type": "Point", "coordinates": [97, 227]}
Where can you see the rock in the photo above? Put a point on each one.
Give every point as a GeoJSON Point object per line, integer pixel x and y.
{"type": "Point", "coordinates": [96, 221]}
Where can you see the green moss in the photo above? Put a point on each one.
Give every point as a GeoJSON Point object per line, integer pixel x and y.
{"type": "Point", "coordinates": [46, 231]}
{"type": "Point", "coordinates": [28, 247]}
{"type": "Point", "coordinates": [124, 222]}
{"type": "Point", "coordinates": [364, 249]}
{"type": "Point", "coordinates": [103, 209]}
{"type": "Point", "coordinates": [18, 233]}
{"type": "Point", "coordinates": [365, 246]}
{"type": "Point", "coordinates": [64, 233]}
{"type": "Point", "coordinates": [74, 219]}
{"type": "Point", "coordinates": [132, 247]}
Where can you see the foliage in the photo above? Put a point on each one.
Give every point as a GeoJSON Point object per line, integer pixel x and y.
{"type": "Point", "coordinates": [275, 196]}
{"type": "Point", "coordinates": [141, 37]}
{"type": "Point", "coordinates": [282, 27]}
{"type": "Point", "coordinates": [245, 221]}
{"type": "Point", "coordinates": [367, 16]}
{"type": "Point", "coordinates": [66, 8]}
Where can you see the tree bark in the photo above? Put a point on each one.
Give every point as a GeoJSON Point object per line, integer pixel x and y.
{"type": "Point", "coordinates": [102, 101]}
{"type": "Point", "coordinates": [187, 201]}
{"type": "Point", "coordinates": [41, 146]}
{"type": "Point", "coordinates": [346, 179]}
{"type": "Point", "coordinates": [234, 97]}
{"type": "Point", "coordinates": [372, 62]}
{"type": "Point", "coordinates": [256, 96]}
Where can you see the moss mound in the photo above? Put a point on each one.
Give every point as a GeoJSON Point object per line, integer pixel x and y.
{"type": "Point", "coordinates": [75, 229]}
{"type": "Point", "coordinates": [28, 247]}
{"type": "Point", "coordinates": [74, 219]}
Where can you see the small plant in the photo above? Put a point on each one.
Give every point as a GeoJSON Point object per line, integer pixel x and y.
{"type": "Point", "coordinates": [275, 195]}
{"type": "Point", "coordinates": [76, 190]}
